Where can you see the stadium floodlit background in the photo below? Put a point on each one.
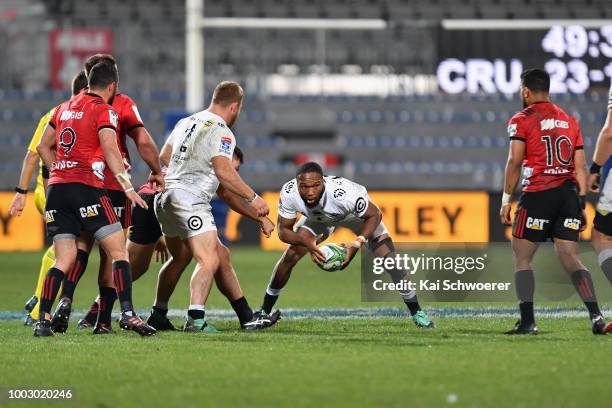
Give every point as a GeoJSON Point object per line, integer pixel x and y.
{"type": "Point", "coordinates": [408, 96]}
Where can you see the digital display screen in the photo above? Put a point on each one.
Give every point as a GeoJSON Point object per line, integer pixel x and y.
{"type": "Point", "coordinates": [491, 61]}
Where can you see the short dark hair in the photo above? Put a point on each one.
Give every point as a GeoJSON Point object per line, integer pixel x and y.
{"type": "Point", "coordinates": [239, 154]}
{"type": "Point", "coordinates": [227, 92]}
{"type": "Point", "coordinates": [79, 82]}
{"type": "Point", "coordinates": [102, 75]}
{"type": "Point", "coordinates": [96, 59]}
{"type": "Point", "coordinates": [310, 167]}
{"type": "Point", "coordinates": [536, 80]}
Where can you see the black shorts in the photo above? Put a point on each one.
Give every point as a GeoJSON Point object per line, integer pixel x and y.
{"type": "Point", "coordinates": [121, 206]}
{"type": "Point", "coordinates": [74, 207]}
{"type": "Point", "coordinates": [145, 228]}
{"type": "Point", "coordinates": [603, 223]}
{"type": "Point", "coordinates": [552, 213]}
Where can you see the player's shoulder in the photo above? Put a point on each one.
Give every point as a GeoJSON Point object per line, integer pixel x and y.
{"type": "Point", "coordinates": [340, 188]}
{"type": "Point", "coordinates": [211, 121]}
{"type": "Point", "coordinates": [340, 182]}
{"type": "Point", "coordinates": [289, 188]}
{"type": "Point", "coordinates": [123, 99]}
{"type": "Point", "coordinates": [522, 115]}
{"type": "Point", "coordinates": [91, 101]}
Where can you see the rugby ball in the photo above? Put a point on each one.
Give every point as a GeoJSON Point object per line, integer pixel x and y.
{"type": "Point", "coordinates": [334, 254]}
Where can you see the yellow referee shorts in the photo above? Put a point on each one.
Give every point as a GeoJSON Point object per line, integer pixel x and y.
{"type": "Point", "coordinates": [39, 199]}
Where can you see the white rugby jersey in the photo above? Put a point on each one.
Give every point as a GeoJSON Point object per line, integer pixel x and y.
{"type": "Point", "coordinates": [195, 140]}
{"type": "Point", "coordinates": [343, 200]}
{"type": "Point", "coordinates": [610, 97]}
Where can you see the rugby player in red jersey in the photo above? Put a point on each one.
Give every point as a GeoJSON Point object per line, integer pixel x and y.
{"type": "Point", "coordinates": [547, 143]}
{"type": "Point", "coordinates": [82, 132]}
{"type": "Point", "coordinates": [130, 124]}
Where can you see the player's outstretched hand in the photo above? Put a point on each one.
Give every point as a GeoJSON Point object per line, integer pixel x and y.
{"type": "Point", "coordinates": [157, 181]}
{"type": "Point", "coordinates": [261, 206]}
{"type": "Point", "coordinates": [17, 205]}
{"type": "Point", "coordinates": [136, 199]}
{"type": "Point", "coordinates": [504, 214]}
{"type": "Point", "coordinates": [593, 183]}
{"type": "Point", "coordinates": [267, 226]}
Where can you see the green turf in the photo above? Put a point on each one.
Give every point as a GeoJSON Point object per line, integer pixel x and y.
{"type": "Point", "coordinates": [382, 362]}
{"type": "Point", "coordinates": [339, 362]}
{"type": "Point", "coordinates": [308, 287]}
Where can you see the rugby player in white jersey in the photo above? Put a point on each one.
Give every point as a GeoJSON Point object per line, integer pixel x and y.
{"type": "Point", "coordinates": [327, 202]}
{"type": "Point", "coordinates": [201, 159]}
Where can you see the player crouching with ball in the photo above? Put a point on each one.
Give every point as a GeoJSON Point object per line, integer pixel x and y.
{"type": "Point", "coordinates": [327, 202]}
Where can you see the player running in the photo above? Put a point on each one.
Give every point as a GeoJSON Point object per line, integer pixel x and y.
{"type": "Point", "coordinates": [600, 176]}
{"type": "Point", "coordinates": [325, 203]}
{"type": "Point", "coordinates": [79, 82]}
{"type": "Point", "coordinates": [200, 160]}
{"type": "Point", "coordinates": [547, 142]}
{"type": "Point", "coordinates": [83, 134]}
{"type": "Point", "coordinates": [130, 124]}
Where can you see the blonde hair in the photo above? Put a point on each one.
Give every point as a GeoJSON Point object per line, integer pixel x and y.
{"type": "Point", "coordinates": [227, 92]}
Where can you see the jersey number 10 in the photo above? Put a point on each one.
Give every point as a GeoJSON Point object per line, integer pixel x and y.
{"type": "Point", "coordinates": [557, 152]}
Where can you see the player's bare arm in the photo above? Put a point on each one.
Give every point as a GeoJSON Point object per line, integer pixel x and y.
{"type": "Point", "coordinates": [231, 180]}
{"type": "Point", "coordinates": [149, 153]}
{"type": "Point", "coordinates": [164, 154]}
{"type": "Point", "coordinates": [581, 171]}
{"type": "Point", "coordinates": [516, 154]}
{"type": "Point", "coordinates": [289, 236]}
{"type": "Point", "coordinates": [27, 169]}
{"type": "Point", "coordinates": [237, 204]}
{"type": "Point", "coordinates": [581, 179]}
{"type": "Point", "coordinates": [112, 155]}
{"type": "Point", "coordinates": [371, 219]}
{"type": "Point", "coordinates": [603, 150]}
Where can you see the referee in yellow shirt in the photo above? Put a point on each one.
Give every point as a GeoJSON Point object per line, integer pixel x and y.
{"type": "Point", "coordinates": [19, 201]}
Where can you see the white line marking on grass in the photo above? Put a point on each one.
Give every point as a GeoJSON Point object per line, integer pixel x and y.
{"type": "Point", "coordinates": [370, 313]}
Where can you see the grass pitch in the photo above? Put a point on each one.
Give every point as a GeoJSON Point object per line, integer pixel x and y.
{"type": "Point", "coordinates": [301, 362]}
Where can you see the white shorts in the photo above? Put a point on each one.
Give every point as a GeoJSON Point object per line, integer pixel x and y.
{"type": "Point", "coordinates": [182, 214]}
{"type": "Point", "coordinates": [604, 204]}
{"type": "Point", "coordinates": [355, 225]}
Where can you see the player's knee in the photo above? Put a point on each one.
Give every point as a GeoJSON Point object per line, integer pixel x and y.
{"type": "Point", "coordinates": [568, 254]}
{"type": "Point", "coordinates": [118, 254]}
{"type": "Point", "coordinates": [224, 255]}
{"type": "Point", "coordinates": [65, 259]}
{"type": "Point", "coordinates": [207, 261]}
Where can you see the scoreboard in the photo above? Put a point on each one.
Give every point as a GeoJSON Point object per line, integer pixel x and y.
{"type": "Point", "coordinates": [491, 61]}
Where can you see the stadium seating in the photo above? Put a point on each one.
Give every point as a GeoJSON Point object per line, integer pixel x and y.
{"type": "Point", "coordinates": [412, 141]}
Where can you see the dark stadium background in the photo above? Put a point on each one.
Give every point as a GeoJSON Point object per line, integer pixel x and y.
{"type": "Point", "coordinates": [366, 103]}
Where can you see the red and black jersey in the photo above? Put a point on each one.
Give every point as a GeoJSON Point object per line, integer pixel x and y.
{"type": "Point", "coordinates": [79, 157]}
{"type": "Point", "coordinates": [129, 118]}
{"type": "Point", "coordinates": [551, 137]}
